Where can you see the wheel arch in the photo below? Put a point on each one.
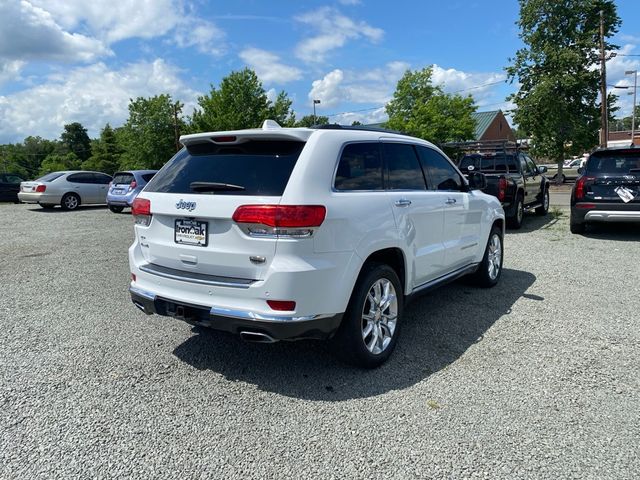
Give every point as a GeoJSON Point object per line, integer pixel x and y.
{"type": "Point", "coordinates": [394, 257]}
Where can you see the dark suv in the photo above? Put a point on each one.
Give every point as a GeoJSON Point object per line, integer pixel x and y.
{"type": "Point", "coordinates": [608, 189]}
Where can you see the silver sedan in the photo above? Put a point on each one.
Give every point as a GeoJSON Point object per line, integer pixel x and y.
{"type": "Point", "coordinates": [68, 189]}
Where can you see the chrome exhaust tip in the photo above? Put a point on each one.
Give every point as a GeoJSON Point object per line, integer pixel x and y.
{"type": "Point", "coordinates": [256, 337]}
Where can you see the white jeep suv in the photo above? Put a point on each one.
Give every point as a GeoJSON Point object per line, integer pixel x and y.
{"type": "Point", "coordinates": [290, 233]}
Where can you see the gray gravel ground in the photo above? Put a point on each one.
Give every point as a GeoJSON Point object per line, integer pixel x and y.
{"type": "Point", "coordinates": [536, 378]}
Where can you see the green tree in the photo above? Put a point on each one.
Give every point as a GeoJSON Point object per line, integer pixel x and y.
{"type": "Point", "coordinates": [75, 138]}
{"type": "Point", "coordinates": [423, 110]}
{"type": "Point", "coordinates": [240, 102]}
{"type": "Point", "coordinates": [147, 139]}
{"type": "Point", "coordinates": [25, 158]}
{"type": "Point", "coordinates": [557, 104]}
{"type": "Point", "coordinates": [356, 123]}
{"type": "Point", "coordinates": [310, 121]}
{"type": "Point", "coordinates": [106, 153]}
{"type": "Point", "coordinates": [624, 123]}
{"type": "Point", "coordinates": [57, 162]}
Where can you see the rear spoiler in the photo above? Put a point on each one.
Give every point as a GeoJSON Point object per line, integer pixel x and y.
{"type": "Point", "coordinates": [270, 131]}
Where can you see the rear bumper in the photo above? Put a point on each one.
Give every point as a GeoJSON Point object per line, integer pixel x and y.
{"type": "Point", "coordinates": [29, 197]}
{"type": "Point", "coordinates": [611, 212]}
{"type": "Point", "coordinates": [121, 200]}
{"type": "Point", "coordinates": [278, 327]}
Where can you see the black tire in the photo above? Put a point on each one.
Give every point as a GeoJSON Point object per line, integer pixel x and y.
{"type": "Point", "coordinates": [46, 206]}
{"type": "Point", "coordinates": [349, 341]}
{"type": "Point", "coordinates": [515, 221]}
{"type": "Point", "coordinates": [70, 201]}
{"type": "Point", "coordinates": [544, 208]}
{"type": "Point", "coordinates": [555, 177]}
{"type": "Point", "coordinates": [576, 227]}
{"type": "Point", "coordinates": [115, 208]}
{"type": "Point", "coordinates": [485, 277]}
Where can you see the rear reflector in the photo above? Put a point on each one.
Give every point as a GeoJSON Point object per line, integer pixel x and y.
{"type": "Point", "coordinates": [282, 305]}
{"type": "Point", "coordinates": [281, 216]}
{"type": "Point", "coordinates": [41, 188]}
{"type": "Point", "coordinates": [586, 206]}
{"type": "Point", "coordinates": [133, 277]}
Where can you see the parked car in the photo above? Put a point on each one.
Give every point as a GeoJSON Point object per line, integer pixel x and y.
{"type": "Point", "coordinates": [125, 187]}
{"type": "Point", "coordinates": [512, 177]}
{"type": "Point", "coordinates": [608, 189]}
{"type": "Point", "coordinates": [9, 187]}
{"type": "Point", "coordinates": [69, 189]}
{"type": "Point", "coordinates": [569, 170]}
{"type": "Point", "coordinates": [289, 233]}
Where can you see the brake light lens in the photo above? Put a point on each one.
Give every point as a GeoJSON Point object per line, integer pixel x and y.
{"type": "Point", "coordinates": [141, 211]}
{"type": "Point", "coordinates": [580, 186]}
{"type": "Point", "coordinates": [502, 188]}
{"type": "Point", "coordinates": [133, 185]}
{"type": "Point", "coordinates": [282, 305]}
{"type": "Point", "coordinates": [41, 188]}
{"type": "Point", "coordinates": [282, 220]}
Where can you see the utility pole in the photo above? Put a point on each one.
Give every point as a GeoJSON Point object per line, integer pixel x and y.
{"type": "Point", "coordinates": [176, 133]}
{"type": "Point", "coordinates": [604, 131]}
{"type": "Point", "coordinates": [315, 102]}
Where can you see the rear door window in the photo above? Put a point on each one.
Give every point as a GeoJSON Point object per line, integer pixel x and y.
{"type": "Point", "coordinates": [360, 167]}
{"type": "Point", "coordinates": [101, 178]}
{"type": "Point", "coordinates": [259, 167]}
{"type": "Point", "coordinates": [80, 178]}
{"type": "Point", "coordinates": [403, 167]}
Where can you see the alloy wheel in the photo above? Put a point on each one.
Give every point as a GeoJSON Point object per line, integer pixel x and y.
{"type": "Point", "coordinates": [379, 316]}
{"type": "Point", "coordinates": [494, 256]}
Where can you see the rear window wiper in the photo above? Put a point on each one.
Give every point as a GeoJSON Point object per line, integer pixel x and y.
{"type": "Point", "coordinates": [214, 187]}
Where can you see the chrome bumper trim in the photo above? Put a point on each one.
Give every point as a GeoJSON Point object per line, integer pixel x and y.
{"type": "Point", "coordinates": [613, 216]}
{"type": "Point", "coordinates": [251, 315]}
{"type": "Point", "coordinates": [142, 293]}
{"type": "Point", "coordinates": [199, 278]}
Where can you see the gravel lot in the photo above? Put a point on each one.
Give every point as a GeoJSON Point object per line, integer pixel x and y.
{"type": "Point", "coordinates": [537, 378]}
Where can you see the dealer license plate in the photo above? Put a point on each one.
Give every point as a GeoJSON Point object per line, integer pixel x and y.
{"type": "Point", "coordinates": [191, 232]}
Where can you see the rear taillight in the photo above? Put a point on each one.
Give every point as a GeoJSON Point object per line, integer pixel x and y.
{"type": "Point", "coordinates": [133, 185]}
{"type": "Point", "coordinates": [280, 220]}
{"type": "Point", "coordinates": [141, 211]}
{"type": "Point", "coordinates": [282, 305]}
{"type": "Point", "coordinates": [502, 188]}
{"type": "Point", "coordinates": [580, 186]}
{"type": "Point", "coordinates": [41, 188]}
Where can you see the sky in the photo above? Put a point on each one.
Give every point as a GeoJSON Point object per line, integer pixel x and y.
{"type": "Point", "coordinates": [64, 61]}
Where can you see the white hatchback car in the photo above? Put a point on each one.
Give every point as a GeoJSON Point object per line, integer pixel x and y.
{"type": "Point", "coordinates": [289, 233]}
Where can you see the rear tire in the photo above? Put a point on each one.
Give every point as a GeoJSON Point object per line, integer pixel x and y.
{"type": "Point", "coordinates": [70, 201]}
{"type": "Point", "coordinates": [490, 269]}
{"type": "Point", "coordinates": [544, 208]}
{"type": "Point", "coordinates": [371, 324]}
{"type": "Point", "coordinates": [115, 208]}
{"type": "Point", "coordinates": [576, 227]}
{"type": "Point", "coordinates": [515, 221]}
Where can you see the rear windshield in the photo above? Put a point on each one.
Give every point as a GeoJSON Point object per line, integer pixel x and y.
{"type": "Point", "coordinates": [49, 177]}
{"type": "Point", "coordinates": [120, 178]}
{"type": "Point", "coordinates": [611, 163]}
{"type": "Point", "coordinates": [260, 167]}
{"type": "Point", "coordinates": [490, 163]}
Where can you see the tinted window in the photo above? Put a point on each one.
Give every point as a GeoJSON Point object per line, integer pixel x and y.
{"type": "Point", "coordinates": [49, 177]}
{"type": "Point", "coordinates": [101, 178]}
{"type": "Point", "coordinates": [122, 177]}
{"type": "Point", "coordinates": [613, 163]}
{"type": "Point", "coordinates": [261, 167]}
{"type": "Point", "coordinates": [12, 179]}
{"type": "Point", "coordinates": [498, 162]}
{"type": "Point", "coordinates": [147, 176]}
{"type": "Point", "coordinates": [360, 167]}
{"type": "Point", "coordinates": [442, 175]}
{"type": "Point", "coordinates": [403, 167]}
{"type": "Point", "coordinates": [80, 178]}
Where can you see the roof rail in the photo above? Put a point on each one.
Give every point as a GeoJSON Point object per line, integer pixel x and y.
{"type": "Point", "coordinates": [479, 146]}
{"type": "Point", "coordinates": [365, 128]}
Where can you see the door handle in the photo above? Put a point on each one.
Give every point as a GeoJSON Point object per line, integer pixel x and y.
{"type": "Point", "coordinates": [450, 201]}
{"type": "Point", "coordinates": [403, 202]}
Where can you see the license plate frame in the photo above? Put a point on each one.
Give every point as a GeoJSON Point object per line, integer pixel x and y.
{"type": "Point", "coordinates": [199, 237]}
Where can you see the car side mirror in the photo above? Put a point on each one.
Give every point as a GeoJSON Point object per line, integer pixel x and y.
{"type": "Point", "coordinates": [542, 169]}
{"type": "Point", "coordinates": [477, 181]}
{"type": "Point", "coordinates": [580, 170]}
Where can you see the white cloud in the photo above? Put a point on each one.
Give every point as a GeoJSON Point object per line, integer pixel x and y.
{"type": "Point", "coordinates": [92, 95]}
{"type": "Point", "coordinates": [201, 34]}
{"type": "Point", "coordinates": [616, 68]}
{"type": "Point", "coordinates": [10, 70]}
{"type": "Point", "coordinates": [268, 66]}
{"type": "Point", "coordinates": [350, 2]}
{"type": "Point", "coordinates": [473, 83]}
{"type": "Point", "coordinates": [333, 31]}
{"type": "Point", "coordinates": [33, 34]}
{"type": "Point", "coordinates": [376, 115]}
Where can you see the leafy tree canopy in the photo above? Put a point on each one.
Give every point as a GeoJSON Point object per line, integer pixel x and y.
{"type": "Point", "coordinates": [423, 110]}
{"type": "Point", "coordinates": [75, 138]}
{"type": "Point", "coordinates": [310, 121]}
{"type": "Point", "coordinates": [557, 102]}
{"type": "Point", "coordinates": [56, 162]}
{"type": "Point", "coordinates": [106, 153]}
{"type": "Point", "coordinates": [240, 102]}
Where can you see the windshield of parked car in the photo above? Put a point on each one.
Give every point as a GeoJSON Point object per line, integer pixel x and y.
{"type": "Point", "coordinates": [614, 163]}
{"type": "Point", "coordinates": [122, 177]}
{"type": "Point", "coordinates": [260, 167]}
{"type": "Point", "coordinates": [49, 177]}
{"type": "Point", "coordinates": [498, 162]}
